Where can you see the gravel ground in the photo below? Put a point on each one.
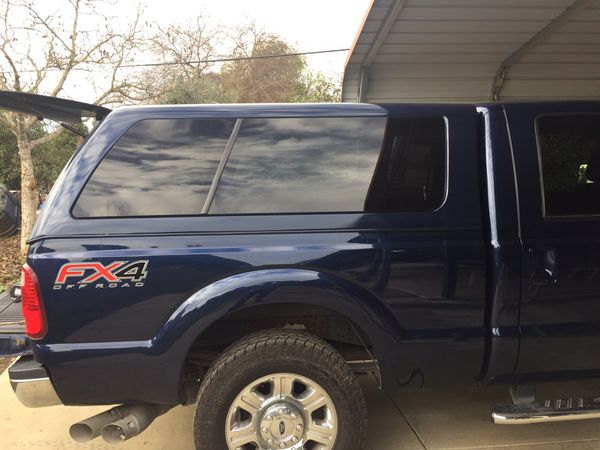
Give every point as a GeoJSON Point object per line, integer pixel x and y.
{"type": "Point", "coordinates": [10, 264]}
{"type": "Point", "coordinates": [10, 261]}
{"type": "Point", "coordinates": [4, 363]}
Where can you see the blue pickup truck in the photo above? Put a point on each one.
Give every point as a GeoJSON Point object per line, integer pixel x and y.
{"type": "Point", "coordinates": [250, 259]}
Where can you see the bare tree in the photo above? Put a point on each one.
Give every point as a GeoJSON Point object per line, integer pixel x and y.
{"type": "Point", "coordinates": [260, 74]}
{"type": "Point", "coordinates": [188, 47]}
{"type": "Point", "coordinates": [185, 72]}
{"type": "Point", "coordinates": [258, 69]}
{"type": "Point", "coordinates": [51, 43]}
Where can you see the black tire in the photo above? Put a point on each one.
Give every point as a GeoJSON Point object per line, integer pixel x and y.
{"type": "Point", "coordinates": [279, 351]}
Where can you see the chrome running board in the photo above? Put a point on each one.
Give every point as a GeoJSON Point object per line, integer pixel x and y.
{"type": "Point", "coordinates": [547, 411]}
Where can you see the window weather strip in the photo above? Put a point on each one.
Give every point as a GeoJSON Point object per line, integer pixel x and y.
{"type": "Point", "coordinates": [217, 178]}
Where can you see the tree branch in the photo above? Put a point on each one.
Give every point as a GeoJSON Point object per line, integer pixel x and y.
{"type": "Point", "coordinates": [72, 52]}
{"type": "Point", "coordinates": [46, 25]}
{"type": "Point", "coordinates": [17, 78]}
{"type": "Point", "coordinates": [43, 140]}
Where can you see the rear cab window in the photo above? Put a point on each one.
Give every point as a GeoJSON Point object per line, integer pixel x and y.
{"type": "Point", "coordinates": [174, 167]}
{"type": "Point", "coordinates": [569, 149]}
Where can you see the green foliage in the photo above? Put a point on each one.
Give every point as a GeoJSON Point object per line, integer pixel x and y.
{"type": "Point", "coordinates": [206, 89]}
{"type": "Point", "coordinates": [48, 158]}
{"type": "Point", "coordinates": [315, 87]}
{"type": "Point", "coordinates": [10, 172]}
{"type": "Point", "coordinates": [311, 87]}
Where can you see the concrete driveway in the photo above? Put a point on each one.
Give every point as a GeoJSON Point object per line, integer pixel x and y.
{"type": "Point", "coordinates": [427, 419]}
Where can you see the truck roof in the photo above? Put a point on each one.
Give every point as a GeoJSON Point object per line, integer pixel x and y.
{"type": "Point", "coordinates": [62, 110]}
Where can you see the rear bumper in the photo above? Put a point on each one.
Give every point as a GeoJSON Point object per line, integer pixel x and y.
{"type": "Point", "coordinates": [31, 383]}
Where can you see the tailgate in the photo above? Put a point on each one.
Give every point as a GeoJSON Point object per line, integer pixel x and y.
{"type": "Point", "coordinates": [12, 328]}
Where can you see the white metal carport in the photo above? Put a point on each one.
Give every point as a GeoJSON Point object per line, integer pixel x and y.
{"type": "Point", "coordinates": [475, 50]}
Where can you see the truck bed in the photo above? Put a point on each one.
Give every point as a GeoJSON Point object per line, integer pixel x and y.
{"type": "Point", "coordinates": [11, 318]}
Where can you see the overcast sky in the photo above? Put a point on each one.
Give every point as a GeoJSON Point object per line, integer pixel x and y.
{"type": "Point", "coordinates": [308, 24]}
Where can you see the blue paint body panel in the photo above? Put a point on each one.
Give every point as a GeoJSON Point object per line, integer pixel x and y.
{"type": "Point", "coordinates": [438, 293]}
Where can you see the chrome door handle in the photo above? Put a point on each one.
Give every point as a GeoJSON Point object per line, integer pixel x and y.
{"type": "Point", "coordinates": [550, 266]}
{"type": "Point", "coordinates": [545, 271]}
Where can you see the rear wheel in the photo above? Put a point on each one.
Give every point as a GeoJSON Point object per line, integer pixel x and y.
{"type": "Point", "coordinates": [280, 389]}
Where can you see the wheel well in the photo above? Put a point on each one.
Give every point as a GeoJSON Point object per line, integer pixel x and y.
{"type": "Point", "coordinates": [341, 332]}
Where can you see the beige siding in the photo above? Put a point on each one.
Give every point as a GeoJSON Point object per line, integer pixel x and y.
{"type": "Point", "coordinates": [450, 50]}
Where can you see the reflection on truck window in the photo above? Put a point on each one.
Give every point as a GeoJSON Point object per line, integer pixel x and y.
{"type": "Point", "coordinates": [411, 171]}
{"type": "Point", "coordinates": [300, 165]}
{"type": "Point", "coordinates": [165, 167]}
{"type": "Point", "coordinates": [292, 165]}
{"type": "Point", "coordinates": [570, 158]}
{"type": "Point", "coordinates": [159, 167]}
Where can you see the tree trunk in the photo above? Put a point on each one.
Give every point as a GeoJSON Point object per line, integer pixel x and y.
{"type": "Point", "coordinates": [29, 196]}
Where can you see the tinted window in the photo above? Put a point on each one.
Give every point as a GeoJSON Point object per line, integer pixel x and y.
{"type": "Point", "coordinates": [335, 164]}
{"type": "Point", "coordinates": [570, 154]}
{"type": "Point", "coordinates": [158, 167]}
{"type": "Point", "coordinates": [300, 165]}
{"type": "Point", "coordinates": [410, 175]}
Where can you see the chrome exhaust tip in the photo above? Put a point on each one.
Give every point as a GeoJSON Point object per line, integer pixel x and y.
{"type": "Point", "coordinates": [91, 428]}
{"type": "Point", "coordinates": [138, 418]}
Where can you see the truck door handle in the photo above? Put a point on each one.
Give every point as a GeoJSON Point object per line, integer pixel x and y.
{"type": "Point", "coordinates": [550, 265]}
{"type": "Point", "coordinates": [543, 268]}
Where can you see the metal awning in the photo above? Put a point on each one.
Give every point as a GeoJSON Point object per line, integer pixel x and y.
{"type": "Point", "coordinates": [475, 50]}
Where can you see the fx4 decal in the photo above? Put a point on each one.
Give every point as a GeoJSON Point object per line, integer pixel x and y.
{"type": "Point", "coordinates": [117, 274]}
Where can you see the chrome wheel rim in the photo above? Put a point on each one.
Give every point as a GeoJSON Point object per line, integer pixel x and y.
{"type": "Point", "coordinates": [281, 411]}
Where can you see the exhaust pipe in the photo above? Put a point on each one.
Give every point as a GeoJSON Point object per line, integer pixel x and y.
{"type": "Point", "coordinates": [90, 428]}
{"type": "Point", "coordinates": [117, 424]}
{"type": "Point", "coordinates": [138, 418]}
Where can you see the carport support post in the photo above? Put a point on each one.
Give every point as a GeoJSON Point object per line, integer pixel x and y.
{"type": "Point", "coordinates": [363, 84]}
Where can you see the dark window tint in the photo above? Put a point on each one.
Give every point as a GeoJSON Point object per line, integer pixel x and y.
{"type": "Point", "coordinates": [300, 165]}
{"type": "Point", "coordinates": [570, 154]}
{"type": "Point", "coordinates": [334, 165]}
{"type": "Point", "coordinates": [158, 167]}
{"type": "Point", "coordinates": [410, 175]}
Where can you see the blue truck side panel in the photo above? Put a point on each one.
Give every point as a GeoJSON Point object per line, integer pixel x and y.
{"type": "Point", "coordinates": [560, 306]}
{"type": "Point", "coordinates": [415, 283]}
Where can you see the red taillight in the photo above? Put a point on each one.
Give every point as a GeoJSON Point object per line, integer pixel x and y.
{"type": "Point", "coordinates": [31, 302]}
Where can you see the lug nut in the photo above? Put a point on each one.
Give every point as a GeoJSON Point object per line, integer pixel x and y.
{"type": "Point", "coordinates": [294, 439]}
{"type": "Point", "coordinates": [270, 441]}
{"type": "Point", "coordinates": [281, 412]}
{"type": "Point", "coordinates": [282, 445]}
{"type": "Point", "coordinates": [265, 430]}
{"type": "Point", "coordinates": [269, 417]}
{"type": "Point", "coordinates": [293, 416]}
{"type": "Point", "coordinates": [298, 427]}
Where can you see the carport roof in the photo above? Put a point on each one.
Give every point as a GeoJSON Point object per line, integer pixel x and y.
{"type": "Point", "coordinates": [475, 50]}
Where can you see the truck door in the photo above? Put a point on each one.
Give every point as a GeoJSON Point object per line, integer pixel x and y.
{"type": "Point", "coordinates": [556, 149]}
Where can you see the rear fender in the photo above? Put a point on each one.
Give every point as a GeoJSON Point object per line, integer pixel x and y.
{"type": "Point", "coordinates": [147, 361]}
{"type": "Point", "coordinates": [277, 286]}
